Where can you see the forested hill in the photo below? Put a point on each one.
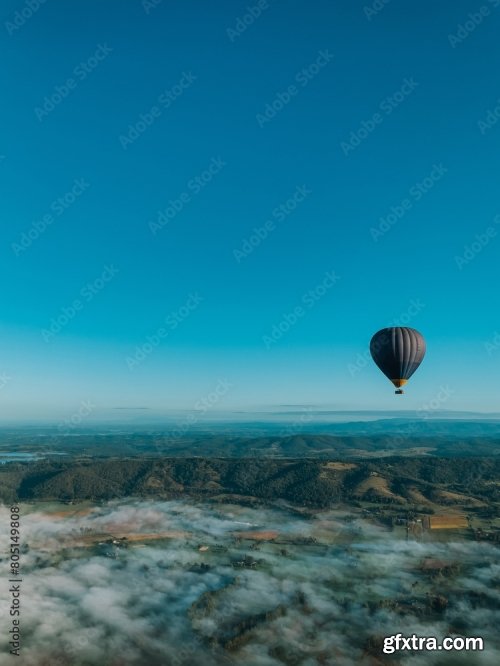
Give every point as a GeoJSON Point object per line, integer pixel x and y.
{"type": "Point", "coordinates": [407, 481]}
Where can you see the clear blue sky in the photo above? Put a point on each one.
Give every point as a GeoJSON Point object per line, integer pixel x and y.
{"type": "Point", "coordinates": [352, 112]}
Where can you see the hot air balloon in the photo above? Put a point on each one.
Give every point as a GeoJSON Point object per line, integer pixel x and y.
{"type": "Point", "coordinates": [398, 351]}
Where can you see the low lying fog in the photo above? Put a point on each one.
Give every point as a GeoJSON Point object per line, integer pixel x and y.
{"type": "Point", "coordinates": [85, 604]}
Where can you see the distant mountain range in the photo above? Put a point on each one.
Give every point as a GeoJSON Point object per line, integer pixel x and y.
{"type": "Point", "coordinates": [285, 438]}
{"type": "Point", "coordinates": [307, 415]}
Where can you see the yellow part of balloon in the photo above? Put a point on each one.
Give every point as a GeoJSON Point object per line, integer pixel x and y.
{"type": "Point", "coordinates": [399, 382]}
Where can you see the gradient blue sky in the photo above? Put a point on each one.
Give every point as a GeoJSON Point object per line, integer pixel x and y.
{"type": "Point", "coordinates": [217, 117]}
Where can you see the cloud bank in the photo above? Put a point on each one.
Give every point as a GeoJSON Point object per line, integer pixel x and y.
{"type": "Point", "coordinates": [325, 592]}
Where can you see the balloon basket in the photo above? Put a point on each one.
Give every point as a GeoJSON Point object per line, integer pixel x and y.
{"type": "Point", "coordinates": [399, 392]}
